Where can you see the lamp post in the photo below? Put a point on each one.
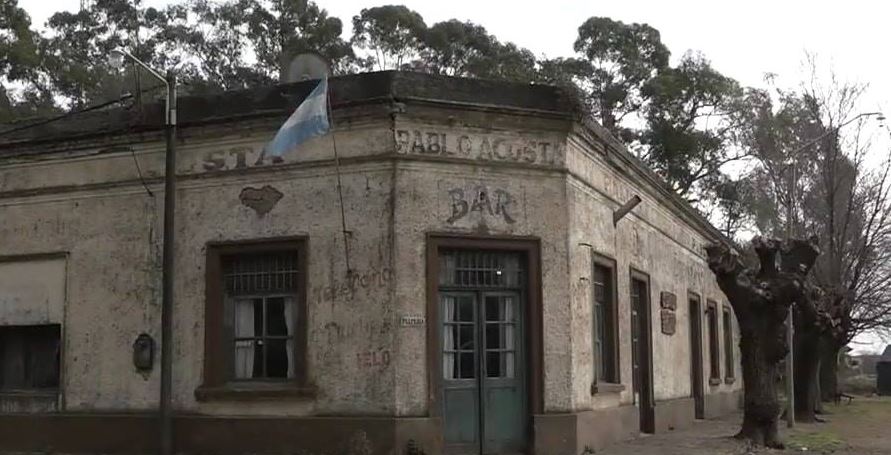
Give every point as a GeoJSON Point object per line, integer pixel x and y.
{"type": "Point", "coordinates": [167, 267]}
{"type": "Point", "coordinates": [790, 231]}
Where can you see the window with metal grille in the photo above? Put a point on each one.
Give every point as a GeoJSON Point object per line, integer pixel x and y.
{"type": "Point", "coordinates": [29, 357]}
{"type": "Point", "coordinates": [480, 269]}
{"type": "Point", "coordinates": [728, 344]}
{"type": "Point", "coordinates": [605, 347]}
{"type": "Point", "coordinates": [713, 342]}
{"type": "Point", "coordinates": [261, 295]}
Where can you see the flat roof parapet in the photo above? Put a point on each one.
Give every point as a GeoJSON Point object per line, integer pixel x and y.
{"type": "Point", "coordinates": [276, 100]}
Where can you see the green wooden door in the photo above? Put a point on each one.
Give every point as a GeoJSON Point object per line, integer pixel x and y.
{"type": "Point", "coordinates": [503, 395]}
{"type": "Point", "coordinates": [483, 378]}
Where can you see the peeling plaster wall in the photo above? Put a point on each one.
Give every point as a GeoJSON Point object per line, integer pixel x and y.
{"type": "Point", "coordinates": [111, 296]}
{"type": "Point", "coordinates": [90, 203]}
{"type": "Point", "coordinates": [651, 239]}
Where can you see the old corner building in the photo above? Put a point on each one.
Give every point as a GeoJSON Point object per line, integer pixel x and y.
{"type": "Point", "coordinates": [493, 305]}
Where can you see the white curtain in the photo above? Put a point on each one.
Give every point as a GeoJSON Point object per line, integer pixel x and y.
{"type": "Point", "coordinates": [508, 314]}
{"type": "Point", "coordinates": [447, 269]}
{"type": "Point", "coordinates": [244, 350]}
{"type": "Point", "coordinates": [448, 339]}
{"type": "Point", "coordinates": [511, 269]}
{"type": "Point", "coordinates": [289, 320]}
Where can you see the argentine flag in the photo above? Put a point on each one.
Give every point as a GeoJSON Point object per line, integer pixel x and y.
{"type": "Point", "coordinates": [309, 120]}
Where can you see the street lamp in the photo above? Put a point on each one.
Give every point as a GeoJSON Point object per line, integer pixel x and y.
{"type": "Point", "coordinates": [116, 59]}
{"type": "Point", "coordinates": [790, 329]}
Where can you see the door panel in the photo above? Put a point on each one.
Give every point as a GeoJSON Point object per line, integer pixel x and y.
{"type": "Point", "coordinates": [484, 397]}
{"type": "Point", "coordinates": [460, 391]}
{"type": "Point", "coordinates": [503, 393]}
{"type": "Point", "coordinates": [696, 372]}
{"type": "Point", "coordinates": [641, 354]}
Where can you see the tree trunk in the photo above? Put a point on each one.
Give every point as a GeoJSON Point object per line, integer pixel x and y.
{"type": "Point", "coordinates": [806, 374]}
{"type": "Point", "coordinates": [818, 408]}
{"type": "Point", "coordinates": [760, 300]}
{"type": "Point", "coordinates": [829, 373]}
{"type": "Point", "coordinates": [761, 407]}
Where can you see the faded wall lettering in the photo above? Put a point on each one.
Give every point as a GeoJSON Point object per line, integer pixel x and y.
{"type": "Point", "coordinates": [373, 359]}
{"type": "Point", "coordinates": [478, 147]}
{"type": "Point", "coordinates": [347, 288]}
{"type": "Point", "coordinates": [240, 157]}
{"type": "Point", "coordinates": [496, 203]}
{"type": "Point", "coordinates": [335, 332]}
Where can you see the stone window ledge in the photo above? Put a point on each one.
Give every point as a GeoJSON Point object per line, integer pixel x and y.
{"type": "Point", "coordinates": [729, 380]}
{"type": "Point", "coordinates": [254, 392]}
{"type": "Point", "coordinates": [29, 393]}
{"type": "Point", "coordinates": [606, 387]}
{"type": "Point", "coordinates": [714, 381]}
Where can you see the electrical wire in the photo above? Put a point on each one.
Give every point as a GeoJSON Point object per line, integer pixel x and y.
{"type": "Point", "coordinates": [69, 114]}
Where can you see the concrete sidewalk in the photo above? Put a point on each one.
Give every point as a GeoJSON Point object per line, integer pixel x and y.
{"type": "Point", "coordinates": [703, 437]}
{"type": "Point", "coordinates": [858, 429]}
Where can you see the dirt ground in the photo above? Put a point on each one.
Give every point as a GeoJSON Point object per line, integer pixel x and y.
{"type": "Point", "coordinates": [861, 428]}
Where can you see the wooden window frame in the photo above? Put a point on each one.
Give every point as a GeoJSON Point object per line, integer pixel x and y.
{"type": "Point", "coordinates": [727, 326]}
{"type": "Point", "coordinates": [219, 384]}
{"type": "Point", "coordinates": [611, 342]}
{"type": "Point", "coordinates": [714, 342]}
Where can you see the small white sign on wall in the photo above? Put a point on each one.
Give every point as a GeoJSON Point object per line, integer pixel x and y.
{"type": "Point", "coordinates": [408, 320]}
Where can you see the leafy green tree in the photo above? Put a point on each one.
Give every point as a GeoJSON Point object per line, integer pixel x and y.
{"type": "Point", "coordinates": [622, 58]}
{"type": "Point", "coordinates": [391, 35]}
{"type": "Point", "coordinates": [80, 43]}
{"type": "Point", "coordinates": [211, 40]}
{"type": "Point", "coordinates": [466, 49]}
{"type": "Point", "coordinates": [22, 92]}
{"type": "Point", "coordinates": [690, 119]}
{"type": "Point", "coordinates": [277, 30]}
{"type": "Point", "coordinates": [456, 48]}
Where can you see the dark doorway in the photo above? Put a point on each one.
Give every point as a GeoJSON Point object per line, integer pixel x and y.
{"type": "Point", "coordinates": [482, 357]}
{"type": "Point", "coordinates": [696, 357]}
{"type": "Point", "coordinates": [641, 351]}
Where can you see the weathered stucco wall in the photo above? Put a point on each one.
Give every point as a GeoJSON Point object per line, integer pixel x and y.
{"type": "Point", "coordinates": [32, 291]}
{"type": "Point", "coordinates": [653, 240]}
{"type": "Point", "coordinates": [96, 210]}
{"type": "Point", "coordinates": [496, 181]}
{"type": "Point", "coordinates": [90, 203]}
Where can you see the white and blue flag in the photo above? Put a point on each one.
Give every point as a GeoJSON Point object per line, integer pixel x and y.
{"type": "Point", "coordinates": [308, 121]}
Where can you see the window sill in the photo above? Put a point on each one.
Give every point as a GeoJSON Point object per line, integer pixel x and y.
{"type": "Point", "coordinates": [714, 381]}
{"type": "Point", "coordinates": [29, 393]}
{"type": "Point", "coordinates": [254, 392]}
{"type": "Point", "coordinates": [606, 387]}
{"type": "Point", "coordinates": [729, 380]}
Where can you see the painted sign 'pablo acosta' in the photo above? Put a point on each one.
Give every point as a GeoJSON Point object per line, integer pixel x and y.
{"type": "Point", "coordinates": [479, 147]}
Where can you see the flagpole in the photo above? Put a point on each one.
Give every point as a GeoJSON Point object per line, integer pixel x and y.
{"type": "Point", "coordinates": [346, 243]}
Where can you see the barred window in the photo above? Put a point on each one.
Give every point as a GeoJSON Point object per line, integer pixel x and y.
{"type": "Point", "coordinates": [255, 318]}
{"type": "Point", "coordinates": [261, 293]}
{"type": "Point", "coordinates": [480, 269]}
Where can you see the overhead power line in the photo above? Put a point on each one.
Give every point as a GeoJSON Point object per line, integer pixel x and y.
{"type": "Point", "coordinates": [69, 114]}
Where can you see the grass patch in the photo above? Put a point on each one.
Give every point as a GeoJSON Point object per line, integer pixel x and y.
{"type": "Point", "coordinates": [817, 441]}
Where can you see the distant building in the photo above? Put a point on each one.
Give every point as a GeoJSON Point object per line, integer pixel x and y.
{"type": "Point", "coordinates": [492, 306]}
{"type": "Point", "coordinates": [883, 372]}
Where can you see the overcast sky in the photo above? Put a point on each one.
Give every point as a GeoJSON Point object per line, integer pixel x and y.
{"type": "Point", "coordinates": [744, 39]}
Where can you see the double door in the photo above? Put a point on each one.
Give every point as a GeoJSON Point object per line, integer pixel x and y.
{"type": "Point", "coordinates": [483, 386]}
